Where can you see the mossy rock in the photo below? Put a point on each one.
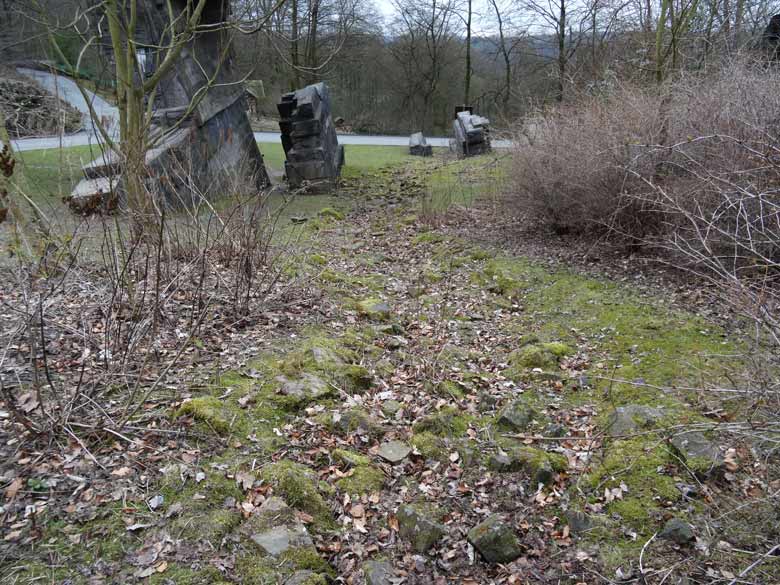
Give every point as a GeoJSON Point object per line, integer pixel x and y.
{"type": "Point", "coordinates": [208, 410]}
{"type": "Point", "coordinates": [539, 355]}
{"type": "Point", "coordinates": [297, 485]}
{"type": "Point", "coordinates": [210, 526]}
{"type": "Point", "coordinates": [417, 527]}
{"type": "Point", "coordinates": [518, 415]}
{"type": "Point", "coordinates": [428, 238]}
{"type": "Point", "coordinates": [429, 446]}
{"type": "Point", "coordinates": [447, 422]}
{"type": "Point", "coordinates": [351, 458]}
{"type": "Point", "coordinates": [255, 570]}
{"type": "Point", "coordinates": [450, 389]}
{"type": "Point", "coordinates": [306, 578]}
{"type": "Point", "coordinates": [495, 540]}
{"type": "Point", "coordinates": [636, 463]}
{"type": "Point", "coordinates": [317, 259]}
{"type": "Point", "coordinates": [365, 479]}
{"type": "Point", "coordinates": [358, 376]}
{"type": "Point", "coordinates": [355, 421]}
{"type": "Point", "coordinates": [374, 309]}
{"type": "Point", "coordinates": [539, 464]}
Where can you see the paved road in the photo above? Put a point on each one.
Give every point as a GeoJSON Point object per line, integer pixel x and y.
{"type": "Point", "coordinates": [69, 91]}
{"type": "Point", "coordinates": [85, 138]}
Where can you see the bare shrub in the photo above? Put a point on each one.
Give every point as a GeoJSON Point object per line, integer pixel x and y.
{"type": "Point", "coordinates": [111, 322]}
{"type": "Point", "coordinates": [568, 168]}
{"type": "Point", "coordinates": [579, 167]}
{"type": "Point", "coordinates": [692, 171]}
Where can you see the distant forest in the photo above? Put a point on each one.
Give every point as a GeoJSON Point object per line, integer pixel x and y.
{"type": "Point", "coordinates": [407, 70]}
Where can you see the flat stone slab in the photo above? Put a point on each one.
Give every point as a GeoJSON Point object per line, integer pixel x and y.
{"type": "Point", "coordinates": [280, 539]}
{"type": "Point", "coordinates": [307, 387]}
{"type": "Point", "coordinates": [394, 451]}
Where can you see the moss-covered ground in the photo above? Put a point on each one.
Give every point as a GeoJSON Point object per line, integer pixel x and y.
{"type": "Point", "coordinates": [500, 373]}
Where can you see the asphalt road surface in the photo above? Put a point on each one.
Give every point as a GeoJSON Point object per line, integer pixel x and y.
{"type": "Point", "coordinates": [68, 91]}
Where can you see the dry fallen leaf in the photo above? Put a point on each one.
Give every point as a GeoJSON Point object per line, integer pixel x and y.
{"type": "Point", "coordinates": [13, 489]}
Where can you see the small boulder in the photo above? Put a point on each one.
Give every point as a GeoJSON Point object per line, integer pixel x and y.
{"type": "Point", "coordinates": [517, 416]}
{"type": "Point", "coordinates": [394, 451]}
{"type": "Point", "coordinates": [578, 521]}
{"type": "Point", "coordinates": [678, 532]}
{"type": "Point", "coordinates": [539, 464]}
{"type": "Point", "coordinates": [700, 454]}
{"type": "Point", "coordinates": [418, 529]}
{"type": "Point", "coordinates": [307, 387]}
{"type": "Point", "coordinates": [280, 539]}
{"type": "Point", "coordinates": [374, 309]}
{"type": "Point", "coordinates": [628, 419]}
{"type": "Point", "coordinates": [377, 572]}
{"type": "Point", "coordinates": [495, 540]}
{"type": "Point", "coordinates": [391, 407]}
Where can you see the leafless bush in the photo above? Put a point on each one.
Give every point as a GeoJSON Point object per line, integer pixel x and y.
{"type": "Point", "coordinates": [693, 171]}
{"type": "Point", "coordinates": [578, 168]}
{"type": "Point", "coordinates": [113, 319]}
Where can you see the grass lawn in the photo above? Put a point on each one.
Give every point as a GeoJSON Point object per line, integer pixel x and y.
{"type": "Point", "coordinates": [51, 174]}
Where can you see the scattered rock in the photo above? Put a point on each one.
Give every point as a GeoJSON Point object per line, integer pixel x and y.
{"type": "Point", "coordinates": [628, 419]}
{"type": "Point", "coordinates": [307, 387]}
{"type": "Point", "coordinates": [495, 540]}
{"type": "Point", "coordinates": [374, 309]}
{"type": "Point", "coordinates": [280, 539]}
{"type": "Point", "coordinates": [556, 430]}
{"type": "Point", "coordinates": [700, 454]}
{"type": "Point", "coordinates": [418, 529]}
{"type": "Point", "coordinates": [678, 532]}
{"type": "Point", "coordinates": [517, 416]}
{"type": "Point", "coordinates": [540, 464]}
{"type": "Point", "coordinates": [539, 355]}
{"type": "Point", "coordinates": [394, 451]}
{"type": "Point", "coordinates": [487, 402]}
{"type": "Point", "coordinates": [357, 421]}
{"type": "Point", "coordinates": [391, 407]}
{"type": "Point", "coordinates": [377, 572]}
{"type": "Point", "coordinates": [578, 521]}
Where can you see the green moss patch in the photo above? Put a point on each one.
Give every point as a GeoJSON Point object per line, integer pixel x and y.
{"type": "Point", "coordinates": [297, 485]}
{"type": "Point", "coordinates": [364, 479]}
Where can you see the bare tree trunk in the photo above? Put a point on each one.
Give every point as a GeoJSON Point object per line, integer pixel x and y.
{"type": "Point", "coordinates": [294, 59]}
{"type": "Point", "coordinates": [561, 49]}
{"type": "Point", "coordinates": [467, 89]}
{"type": "Point", "coordinates": [311, 60]}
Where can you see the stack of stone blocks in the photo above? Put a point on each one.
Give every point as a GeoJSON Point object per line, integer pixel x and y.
{"type": "Point", "coordinates": [313, 155]}
{"type": "Point", "coordinates": [418, 146]}
{"type": "Point", "coordinates": [471, 133]}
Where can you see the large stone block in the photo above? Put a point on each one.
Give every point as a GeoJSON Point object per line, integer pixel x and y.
{"type": "Point", "coordinates": [201, 139]}
{"type": "Point", "coordinates": [311, 147]}
{"type": "Point", "coordinates": [471, 134]}
{"type": "Point", "coordinates": [418, 146]}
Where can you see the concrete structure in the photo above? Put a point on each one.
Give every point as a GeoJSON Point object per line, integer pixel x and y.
{"type": "Point", "coordinates": [471, 133]}
{"type": "Point", "coordinates": [418, 146]}
{"type": "Point", "coordinates": [314, 157]}
{"type": "Point", "coordinates": [200, 134]}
